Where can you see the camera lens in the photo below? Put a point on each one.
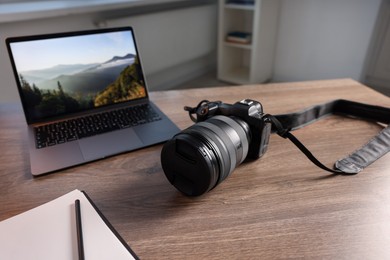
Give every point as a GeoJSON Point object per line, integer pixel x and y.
{"type": "Point", "coordinates": [203, 155]}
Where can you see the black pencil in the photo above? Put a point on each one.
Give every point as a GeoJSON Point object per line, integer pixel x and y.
{"type": "Point", "coordinates": [79, 230]}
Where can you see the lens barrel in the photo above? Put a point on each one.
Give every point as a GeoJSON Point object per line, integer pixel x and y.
{"type": "Point", "coordinates": [197, 159]}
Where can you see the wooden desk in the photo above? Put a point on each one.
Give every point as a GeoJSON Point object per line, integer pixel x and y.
{"type": "Point", "coordinates": [280, 206]}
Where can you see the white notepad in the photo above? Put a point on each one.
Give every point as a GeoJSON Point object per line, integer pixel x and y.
{"type": "Point", "coordinates": [49, 232]}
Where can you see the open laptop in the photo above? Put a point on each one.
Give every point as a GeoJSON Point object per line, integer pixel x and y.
{"type": "Point", "coordinates": [84, 96]}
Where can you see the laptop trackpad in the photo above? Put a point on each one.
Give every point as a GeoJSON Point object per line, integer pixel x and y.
{"type": "Point", "coordinates": [100, 146]}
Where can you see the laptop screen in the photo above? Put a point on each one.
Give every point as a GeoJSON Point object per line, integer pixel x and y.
{"type": "Point", "coordinates": [68, 73]}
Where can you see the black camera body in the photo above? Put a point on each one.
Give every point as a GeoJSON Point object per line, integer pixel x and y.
{"type": "Point", "coordinates": [200, 157]}
{"type": "Point", "coordinates": [249, 111]}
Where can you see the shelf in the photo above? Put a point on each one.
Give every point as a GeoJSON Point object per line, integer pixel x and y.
{"type": "Point", "coordinates": [240, 7]}
{"type": "Point", "coordinates": [238, 45]}
{"type": "Point", "coordinates": [247, 63]}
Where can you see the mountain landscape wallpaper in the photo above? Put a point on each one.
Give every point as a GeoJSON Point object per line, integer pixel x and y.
{"type": "Point", "coordinates": [83, 83]}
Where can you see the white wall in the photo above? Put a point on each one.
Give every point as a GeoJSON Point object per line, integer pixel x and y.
{"type": "Point", "coordinates": [175, 45]}
{"type": "Point", "coordinates": [322, 39]}
{"type": "Point", "coordinates": [173, 41]}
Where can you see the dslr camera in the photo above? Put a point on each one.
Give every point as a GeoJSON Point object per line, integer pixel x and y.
{"type": "Point", "coordinates": [200, 157]}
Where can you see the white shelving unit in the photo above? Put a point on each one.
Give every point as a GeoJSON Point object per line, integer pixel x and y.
{"type": "Point", "coordinates": [247, 63]}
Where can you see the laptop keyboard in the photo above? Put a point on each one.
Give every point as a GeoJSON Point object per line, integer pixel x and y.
{"type": "Point", "coordinates": [73, 129]}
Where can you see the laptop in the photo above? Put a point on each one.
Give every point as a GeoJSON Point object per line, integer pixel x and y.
{"type": "Point", "coordinates": [84, 97]}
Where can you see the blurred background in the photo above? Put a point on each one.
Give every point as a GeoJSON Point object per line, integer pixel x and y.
{"type": "Point", "coordinates": [182, 43]}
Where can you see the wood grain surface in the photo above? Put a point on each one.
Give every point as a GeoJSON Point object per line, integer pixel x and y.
{"type": "Point", "coordinates": [280, 206]}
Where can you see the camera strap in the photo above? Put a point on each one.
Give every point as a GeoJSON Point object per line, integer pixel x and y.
{"type": "Point", "coordinates": [378, 146]}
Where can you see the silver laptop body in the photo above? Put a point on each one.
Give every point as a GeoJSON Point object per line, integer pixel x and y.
{"type": "Point", "coordinates": [64, 78]}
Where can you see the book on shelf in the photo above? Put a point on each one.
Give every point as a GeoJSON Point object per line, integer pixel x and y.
{"type": "Point", "coordinates": [239, 37]}
{"type": "Point", "coordinates": [241, 2]}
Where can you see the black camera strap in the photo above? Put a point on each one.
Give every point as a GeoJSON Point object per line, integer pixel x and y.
{"type": "Point", "coordinates": [378, 146]}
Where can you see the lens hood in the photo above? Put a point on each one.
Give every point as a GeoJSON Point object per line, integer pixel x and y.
{"type": "Point", "coordinates": [190, 164]}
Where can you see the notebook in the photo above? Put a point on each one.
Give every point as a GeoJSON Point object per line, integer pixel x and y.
{"type": "Point", "coordinates": [84, 96]}
{"type": "Point", "coordinates": [49, 231]}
